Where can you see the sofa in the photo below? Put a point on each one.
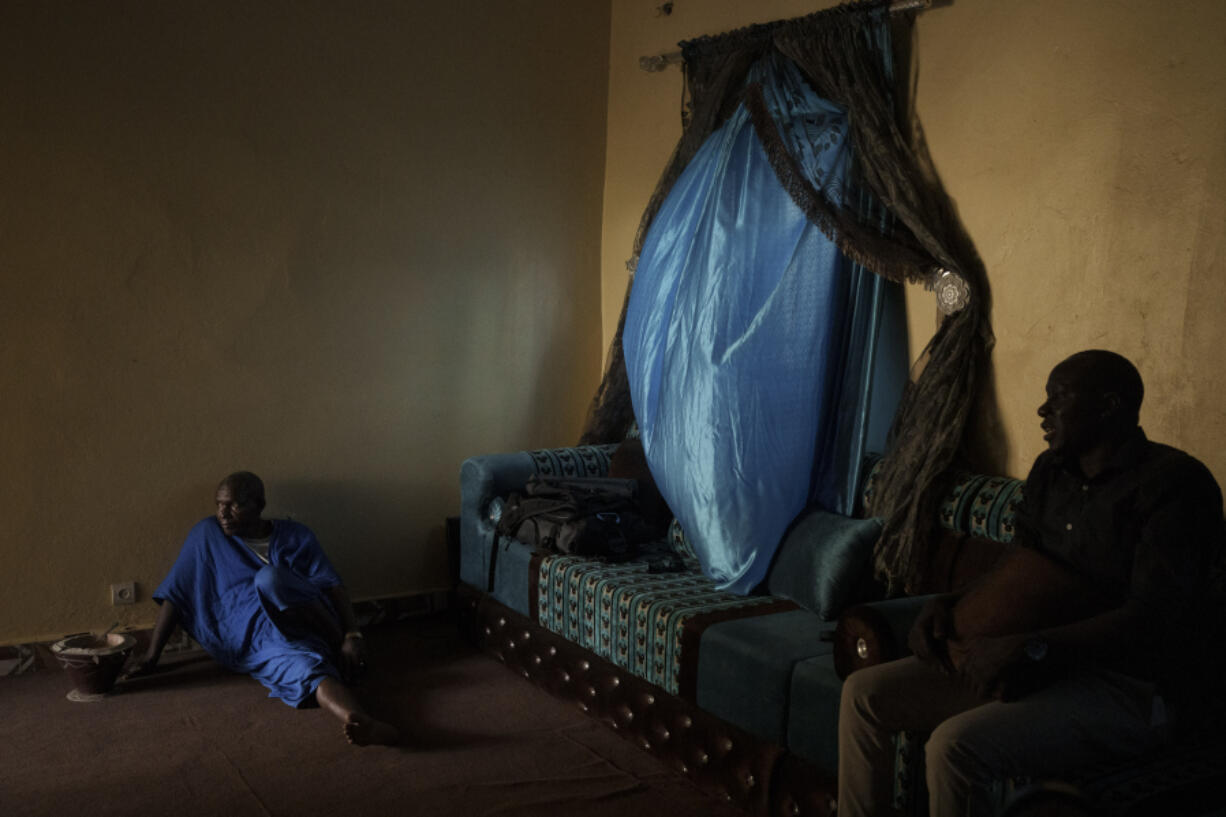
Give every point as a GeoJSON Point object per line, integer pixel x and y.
{"type": "Point", "coordinates": [741, 693]}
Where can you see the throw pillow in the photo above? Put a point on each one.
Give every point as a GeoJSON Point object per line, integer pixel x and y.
{"type": "Point", "coordinates": [825, 562]}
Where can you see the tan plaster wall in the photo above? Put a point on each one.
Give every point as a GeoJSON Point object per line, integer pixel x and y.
{"type": "Point", "coordinates": [1085, 146]}
{"type": "Point", "coordinates": [342, 245]}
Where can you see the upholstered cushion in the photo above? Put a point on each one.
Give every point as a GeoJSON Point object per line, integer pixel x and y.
{"type": "Point", "coordinates": [979, 505]}
{"type": "Point", "coordinates": [641, 620]}
{"type": "Point", "coordinates": [679, 543]}
{"type": "Point", "coordinates": [578, 461]}
{"type": "Point", "coordinates": [825, 562]}
{"type": "Point", "coordinates": [983, 506]}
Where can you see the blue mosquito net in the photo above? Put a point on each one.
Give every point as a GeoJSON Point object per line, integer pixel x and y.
{"type": "Point", "coordinates": [762, 363]}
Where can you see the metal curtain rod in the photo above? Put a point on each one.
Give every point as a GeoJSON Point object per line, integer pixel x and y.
{"type": "Point", "coordinates": [661, 61]}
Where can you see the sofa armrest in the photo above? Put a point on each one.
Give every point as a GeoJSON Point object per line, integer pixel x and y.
{"type": "Point", "coordinates": [873, 633]}
{"type": "Point", "coordinates": [486, 477]}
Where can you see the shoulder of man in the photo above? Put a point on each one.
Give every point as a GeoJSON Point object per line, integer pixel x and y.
{"type": "Point", "coordinates": [1172, 462]}
{"type": "Point", "coordinates": [202, 524]}
{"type": "Point", "coordinates": [1175, 455]}
{"type": "Point", "coordinates": [203, 529]}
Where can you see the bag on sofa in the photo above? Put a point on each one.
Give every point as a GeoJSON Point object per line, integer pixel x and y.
{"type": "Point", "coordinates": [583, 516]}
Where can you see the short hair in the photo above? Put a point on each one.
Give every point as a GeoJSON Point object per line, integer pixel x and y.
{"type": "Point", "coordinates": [1105, 371]}
{"type": "Point", "coordinates": [245, 486]}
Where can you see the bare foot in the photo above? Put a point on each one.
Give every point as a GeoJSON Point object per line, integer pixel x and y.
{"type": "Point", "coordinates": [363, 730]}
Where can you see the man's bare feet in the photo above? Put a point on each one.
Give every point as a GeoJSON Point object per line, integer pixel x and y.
{"type": "Point", "coordinates": [363, 730]}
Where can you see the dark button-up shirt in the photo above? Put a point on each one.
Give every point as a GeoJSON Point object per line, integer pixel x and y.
{"type": "Point", "coordinates": [1145, 530]}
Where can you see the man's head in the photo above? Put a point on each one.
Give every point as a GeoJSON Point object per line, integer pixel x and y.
{"type": "Point", "coordinates": [1093, 397]}
{"type": "Point", "coordinates": [240, 500]}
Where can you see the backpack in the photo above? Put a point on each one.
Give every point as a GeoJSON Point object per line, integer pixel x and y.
{"type": "Point", "coordinates": [580, 516]}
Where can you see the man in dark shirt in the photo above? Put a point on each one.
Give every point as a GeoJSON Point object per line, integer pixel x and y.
{"type": "Point", "coordinates": [1079, 645]}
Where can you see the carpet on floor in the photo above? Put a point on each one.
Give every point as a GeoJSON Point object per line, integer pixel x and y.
{"type": "Point", "coordinates": [197, 740]}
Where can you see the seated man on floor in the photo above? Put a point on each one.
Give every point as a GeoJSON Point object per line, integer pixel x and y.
{"type": "Point", "coordinates": [1081, 644]}
{"type": "Point", "coordinates": [262, 598]}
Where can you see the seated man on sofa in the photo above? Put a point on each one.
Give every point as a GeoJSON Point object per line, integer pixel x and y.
{"type": "Point", "coordinates": [1080, 645]}
{"type": "Point", "coordinates": [262, 598]}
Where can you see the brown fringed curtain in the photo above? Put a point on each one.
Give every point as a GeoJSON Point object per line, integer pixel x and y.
{"type": "Point", "coordinates": [839, 53]}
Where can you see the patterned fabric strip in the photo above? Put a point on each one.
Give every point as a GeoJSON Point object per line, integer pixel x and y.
{"type": "Point", "coordinates": [638, 620]}
{"type": "Point", "coordinates": [995, 508]}
{"type": "Point", "coordinates": [984, 506]}
{"type": "Point", "coordinates": [955, 508]}
{"type": "Point", "coordinates": [579, 461]}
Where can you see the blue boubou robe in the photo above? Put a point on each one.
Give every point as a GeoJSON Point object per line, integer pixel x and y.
{"type": "Point", "coordinates": [213, 586]}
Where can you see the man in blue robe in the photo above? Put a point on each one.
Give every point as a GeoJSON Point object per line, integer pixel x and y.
{"type": "Point", "coordinates": [261, 597]}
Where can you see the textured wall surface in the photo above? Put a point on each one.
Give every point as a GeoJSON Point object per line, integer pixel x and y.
{"type": "Point", "coordinates": [342, 245]}
{"type": "Point", "coordinates": [1085, 147]}
{"type": "Point", "coordinates": [347, 248]}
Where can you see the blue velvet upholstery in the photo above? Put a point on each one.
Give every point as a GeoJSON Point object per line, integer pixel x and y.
{"type": "Point", "coordinates": [813, 711]}
{"type": "Point", "coordinates": [488, 477]}
{"type": "Point", "coordinates": [745, 669]}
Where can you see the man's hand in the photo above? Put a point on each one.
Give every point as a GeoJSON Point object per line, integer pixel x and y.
{"type": "Point", "coordinates": [933, 627]}
{"type": "Point", "coordinates": [998, 667]}
{"type": "Point", "coordinates": [353, 656]}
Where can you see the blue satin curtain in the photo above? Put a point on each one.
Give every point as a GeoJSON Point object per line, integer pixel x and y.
{"type": "Point", "coordinates": [758, 357]}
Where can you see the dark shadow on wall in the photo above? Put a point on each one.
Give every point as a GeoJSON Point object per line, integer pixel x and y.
{"type": "Point", "coordinates": [366, 527]}
{"type": "Point", "coordinates": [987, 442]}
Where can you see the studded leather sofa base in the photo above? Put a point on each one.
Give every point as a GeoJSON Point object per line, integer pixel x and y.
{"type": "Point", "coordinates": [757, 776]}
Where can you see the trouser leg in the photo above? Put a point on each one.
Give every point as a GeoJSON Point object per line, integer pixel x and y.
{"type": "Point", "coordinates": [877, 703]}
{"type": "Point", "coordinates": [1089, 717]}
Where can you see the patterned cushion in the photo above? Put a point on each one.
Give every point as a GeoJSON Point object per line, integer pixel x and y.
{"type": "Point", "coordinates": [634, 618]}
{"type": "Point", "coordinates": [983, 506]}
{"type": "Point", "coordinates": [579, 461]}
{"type": "Point", "coordinates": [994, 509]}
{"type": "Point", "coordinates": [680, 545]}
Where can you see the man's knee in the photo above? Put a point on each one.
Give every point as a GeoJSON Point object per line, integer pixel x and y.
{"type": "Point", "coordinates": [942, 746]}
{"type": "Point", "coordinates": [885, 692]}
{"type": "Point", "coordinates": [952, 751]}
{"type": "Point", "coordinates": [270, 579]}
{"type": "Point", "coordinates": [282, 588]}
{"type": "Point", "coordinates": [860, 689]}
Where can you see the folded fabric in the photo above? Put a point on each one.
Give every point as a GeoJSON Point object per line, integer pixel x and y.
{"type": "Point", "coordinates": [824, 563]}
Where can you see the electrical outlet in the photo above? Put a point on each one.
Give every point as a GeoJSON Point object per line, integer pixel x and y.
{"type": "Point", "coordinates": [123, 593]}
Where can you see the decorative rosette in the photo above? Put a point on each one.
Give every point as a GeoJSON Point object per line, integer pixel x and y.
{"type": "Point", "coordinates": [953, 293]}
